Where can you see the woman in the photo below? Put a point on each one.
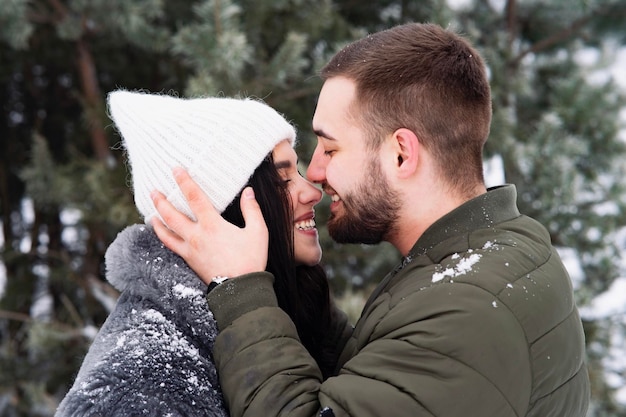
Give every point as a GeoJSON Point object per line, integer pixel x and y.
{"type": "Point", "coordinates": [294, 249]}
{"type": "Point", "coordinates": [153, 355]}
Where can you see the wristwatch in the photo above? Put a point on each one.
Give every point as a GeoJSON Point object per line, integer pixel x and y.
{"type": "Point", "coordinates": [217, 280]}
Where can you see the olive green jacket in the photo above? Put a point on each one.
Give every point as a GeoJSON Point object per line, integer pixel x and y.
{"type": "Point", "coordinates": [478, 320]}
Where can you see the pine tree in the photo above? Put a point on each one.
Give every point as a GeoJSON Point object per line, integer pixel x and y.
{"type": "Point", "coordinates": [58, 163]}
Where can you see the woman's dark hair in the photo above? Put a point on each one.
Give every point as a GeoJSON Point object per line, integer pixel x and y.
{"type": "Point", "coordinates": [302, 291]}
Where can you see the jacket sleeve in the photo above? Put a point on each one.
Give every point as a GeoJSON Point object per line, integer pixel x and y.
{"type": "Point", "coordinates": [430, 363]}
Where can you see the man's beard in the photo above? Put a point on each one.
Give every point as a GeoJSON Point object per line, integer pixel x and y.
{"type": "Point", "coordinates": [370, 212]}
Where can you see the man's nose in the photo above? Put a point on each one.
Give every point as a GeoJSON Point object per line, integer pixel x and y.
{"type": "Point", "coordinates": [316, 172]}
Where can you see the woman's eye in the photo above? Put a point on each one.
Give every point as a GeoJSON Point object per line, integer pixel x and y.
{"type": "Point", "coordinates": [329, 152]}
{"type": "Point", "coordinates": [287, 179]}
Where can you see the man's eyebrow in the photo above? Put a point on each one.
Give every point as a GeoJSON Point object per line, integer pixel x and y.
{"type": "Point", "coordinates": [321, 134]}
{"type": "Point", "coordinates": [282, 164]}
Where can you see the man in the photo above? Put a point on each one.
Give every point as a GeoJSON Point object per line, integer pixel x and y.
{"type": "Point", "coordinates": [478, 319]}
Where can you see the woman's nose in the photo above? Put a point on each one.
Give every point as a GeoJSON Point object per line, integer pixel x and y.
{"type": "Point", "coordinates": [311, 194]}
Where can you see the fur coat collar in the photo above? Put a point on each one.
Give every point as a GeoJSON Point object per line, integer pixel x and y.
{"type": "Point", "coordinates": [153, 355]}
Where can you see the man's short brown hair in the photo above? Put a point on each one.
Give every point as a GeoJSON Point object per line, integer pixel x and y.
{"type": "Point", "coordinates": [426, 79]}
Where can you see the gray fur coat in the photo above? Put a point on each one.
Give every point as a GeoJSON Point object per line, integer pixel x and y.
{"type": "Point", "coordinates": [153, 355]}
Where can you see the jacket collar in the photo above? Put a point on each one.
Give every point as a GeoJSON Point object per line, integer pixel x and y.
{"type": "Point", "coordinates": [498, 204]}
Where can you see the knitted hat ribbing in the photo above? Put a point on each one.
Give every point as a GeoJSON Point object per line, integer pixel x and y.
{"type": "Point", "coordinates": [219, 141]}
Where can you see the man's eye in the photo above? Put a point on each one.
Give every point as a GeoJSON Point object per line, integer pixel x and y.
{"type": "Point", "coordinates": [329, 152]}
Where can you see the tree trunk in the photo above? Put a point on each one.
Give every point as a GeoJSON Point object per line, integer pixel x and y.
{"type": "Point", "coordinates": [92, 102]}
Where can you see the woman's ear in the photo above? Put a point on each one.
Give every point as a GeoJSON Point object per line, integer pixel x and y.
{"type": "Point", "coordinates": [406, 146]}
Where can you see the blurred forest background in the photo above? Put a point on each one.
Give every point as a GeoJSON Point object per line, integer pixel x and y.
{"type": "Point", "coordinates": [557, 134]}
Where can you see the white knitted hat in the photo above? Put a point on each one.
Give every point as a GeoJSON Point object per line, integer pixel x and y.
{"type": "Point", "coordinates": [219, 141]}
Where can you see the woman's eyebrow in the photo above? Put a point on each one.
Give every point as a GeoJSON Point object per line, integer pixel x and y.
{"type": "Point", "coordinates": [282, 164]}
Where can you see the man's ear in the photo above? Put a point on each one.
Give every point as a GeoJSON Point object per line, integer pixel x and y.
{"type": "Point", "coordinates": [406, 146]}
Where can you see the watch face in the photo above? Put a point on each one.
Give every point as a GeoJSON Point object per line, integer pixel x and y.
{"type": "Point", "coordinates": [215, 282]}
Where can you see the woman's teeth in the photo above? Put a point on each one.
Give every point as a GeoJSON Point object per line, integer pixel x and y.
{"type": "Point", "coordinates": [306, 225]}
{"type": "Point", "coordinates": [334, 198]}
